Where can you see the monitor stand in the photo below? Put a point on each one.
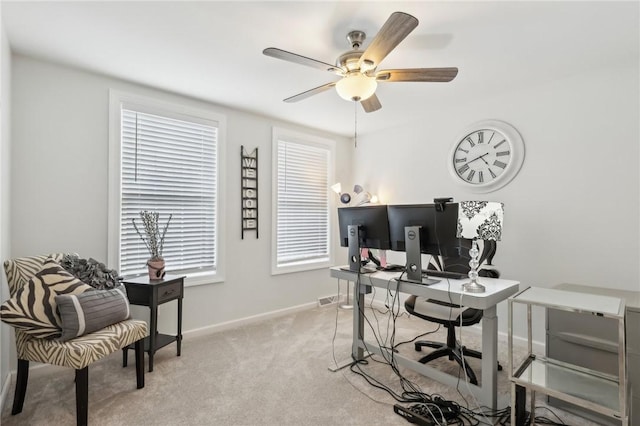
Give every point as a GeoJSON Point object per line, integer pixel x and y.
{"type": "Point", "coordinates": [362, 270]}
{"type": "Point", "coordinates": [355, 258]}
{"type": "Point", "coordinates": [422, 281]}
{"type": "Point", "coordinates": [414, 257]}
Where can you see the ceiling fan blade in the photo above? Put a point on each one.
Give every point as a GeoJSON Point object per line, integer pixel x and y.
{"type": "Point", "coordinates": [418, 74]}
{"type": "Point", "coordinates": [274, 52]}
{"type": "Point", "coordinates": [371, 104]}
{"type": "Point", "coordinates": [309, 93]}
{"type": "Point", "coordinates": [397, 27]}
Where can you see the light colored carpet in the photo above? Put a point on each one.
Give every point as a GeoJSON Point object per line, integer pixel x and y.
{"type": "Point", "coordinates": [271, 373]}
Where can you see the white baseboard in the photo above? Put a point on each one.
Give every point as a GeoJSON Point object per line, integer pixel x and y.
{"type": "Point", "coordinates": [5, 391]}
{"type": "Point", "coordinates": [247, 320]}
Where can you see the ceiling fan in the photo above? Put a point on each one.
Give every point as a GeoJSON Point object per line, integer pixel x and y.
{"type": "Point", "coordinates": [358, 68]}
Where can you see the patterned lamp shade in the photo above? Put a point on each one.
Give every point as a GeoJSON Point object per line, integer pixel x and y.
{"type": "Point", "coordinates": [480, 220]}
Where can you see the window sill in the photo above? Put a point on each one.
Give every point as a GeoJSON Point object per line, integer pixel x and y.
{"type": "Point", "coordinates": [300, 267]}
{"type": "Point", "coordinates": [202, 278]}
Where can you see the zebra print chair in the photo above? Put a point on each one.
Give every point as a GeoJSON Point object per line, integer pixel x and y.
{"type": "Point", "coordinates": [77, 353]}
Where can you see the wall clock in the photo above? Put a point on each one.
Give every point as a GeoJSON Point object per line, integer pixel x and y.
{"type": "Point", "coordinates": [486, 156]}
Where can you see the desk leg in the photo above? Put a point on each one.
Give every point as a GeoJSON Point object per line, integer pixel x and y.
{"type": "Point", "coordinates": [179, 336]}
{"type": "Point", "coordinates": [153, 334]}
{"type": "Point", "coordinates": [358, 322]}
{"type": "Point", "coordinates": [518, 401]}
{"type": "Point", "coordinates": [357, 353]}
{"type": "Point", "coordinates": [490, 357]}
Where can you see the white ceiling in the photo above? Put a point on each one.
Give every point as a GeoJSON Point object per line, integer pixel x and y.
{"type": "Point", "coordinates": [213, 50]}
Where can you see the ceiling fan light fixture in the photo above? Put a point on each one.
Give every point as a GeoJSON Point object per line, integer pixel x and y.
{"type": "Point", "coordinates": [356, 87]}
{"type": "Point", "coordinates": [358, 67]}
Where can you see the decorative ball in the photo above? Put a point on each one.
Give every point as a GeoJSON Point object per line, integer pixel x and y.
{"type": "Point", "coordinates": [345, 198]}
{"type": "Point", "coordinates": [473, 274]}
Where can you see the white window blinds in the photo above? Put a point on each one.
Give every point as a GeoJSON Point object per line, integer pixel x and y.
{"type": "Point", "coordinates": [169, 166]}
{"type": "Point", "coordinates": [302, 203]}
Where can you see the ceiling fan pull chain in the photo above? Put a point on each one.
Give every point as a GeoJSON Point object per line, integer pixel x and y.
{"type": "Point", "coordinates": [355, 124]}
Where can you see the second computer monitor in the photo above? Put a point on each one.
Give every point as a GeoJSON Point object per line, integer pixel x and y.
{"type": "Point", "coordinates": [434, 224]}
{"type": "Point", "coordinates": [437, 228]}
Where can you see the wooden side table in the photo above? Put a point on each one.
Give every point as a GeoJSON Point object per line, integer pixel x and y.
{"type": "Point", "coordinates": [145, 292]}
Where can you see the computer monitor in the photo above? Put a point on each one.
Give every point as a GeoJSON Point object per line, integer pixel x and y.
{"type": "Point", "coordinates": [424, 228]}
{"type": "Point", "coordinates": [363, 227]}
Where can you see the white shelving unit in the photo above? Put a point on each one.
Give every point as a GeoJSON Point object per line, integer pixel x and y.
{"type": "Point", "coordinates": [593, 343]}
{"type": "Point", "coordinates": [603, 393]}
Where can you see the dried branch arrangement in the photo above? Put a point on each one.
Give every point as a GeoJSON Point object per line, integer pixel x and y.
{"type": "Point", "coordinates": [152, 237]}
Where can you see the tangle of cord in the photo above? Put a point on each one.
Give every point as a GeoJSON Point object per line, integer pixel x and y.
{"type": "Point", "coordinates": [411, 392]}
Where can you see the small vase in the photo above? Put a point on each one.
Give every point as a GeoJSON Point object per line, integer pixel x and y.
{"type": "Point", "coordinates": [156, 269]}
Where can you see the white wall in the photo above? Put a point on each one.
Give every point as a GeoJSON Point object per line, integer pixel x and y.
{"type": "Point", "coordinates": [5, 152]}
{"type": "Point", "coordinates": [572, 213]}
{"type": "Point", "coordinates": [59, 190]}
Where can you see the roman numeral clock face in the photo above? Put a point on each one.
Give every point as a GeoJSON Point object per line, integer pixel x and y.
{"type": "Point", "coordinates": [487, 156]}
{"type": "Point", "coordinates": [478, 159]}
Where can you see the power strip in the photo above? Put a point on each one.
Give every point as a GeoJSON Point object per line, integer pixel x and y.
{"type": "Point", "coordinates": [412, 416]}
{"type": "Point", "coordinates": [426, 413]}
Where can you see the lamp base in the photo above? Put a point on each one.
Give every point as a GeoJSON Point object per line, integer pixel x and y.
{"type": "Point", "coordinates": [473, 287]}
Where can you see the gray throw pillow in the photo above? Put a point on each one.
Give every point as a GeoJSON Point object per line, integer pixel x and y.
{"type": "Point", "coordinates": [91, 311]}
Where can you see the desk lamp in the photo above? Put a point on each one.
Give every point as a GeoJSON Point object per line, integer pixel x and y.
{"type": "Point", "coordinates": [360, 196]}
{"type": "Point", "coordinates": [478, 220]}
{"type": "Point", "coordinates": [345, 198]}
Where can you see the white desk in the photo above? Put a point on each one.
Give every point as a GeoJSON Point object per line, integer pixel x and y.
{"type": "Point", "coordinates": [446, 291]}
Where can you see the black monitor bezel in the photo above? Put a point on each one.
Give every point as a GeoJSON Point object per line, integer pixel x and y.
{"type": "Point", "coordinates": [374, 225]}
{"type": "Point", "coordinates": [438, 227]}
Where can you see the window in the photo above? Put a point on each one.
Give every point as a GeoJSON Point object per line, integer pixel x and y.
{"type": "Point", "coordinates": [166, 158]}
{"type": "Point", "coordinates": [303, 174]}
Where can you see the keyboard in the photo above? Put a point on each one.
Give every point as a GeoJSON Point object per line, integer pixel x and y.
{"type": "Point", "coordinates": [444, 274]}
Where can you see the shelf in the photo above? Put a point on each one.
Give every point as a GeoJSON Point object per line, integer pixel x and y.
{"type": "Point", "coordinates": [568, 381]}
{"type": "Point", "coordinates": [162, 340]}
{"type": "Point", "coordinates": [596, 391]}
{"type": "Point", "coordinates": [605, 306]}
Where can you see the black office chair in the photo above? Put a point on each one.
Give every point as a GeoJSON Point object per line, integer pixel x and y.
{"type": "Point", "coordinates": [449, 314]}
